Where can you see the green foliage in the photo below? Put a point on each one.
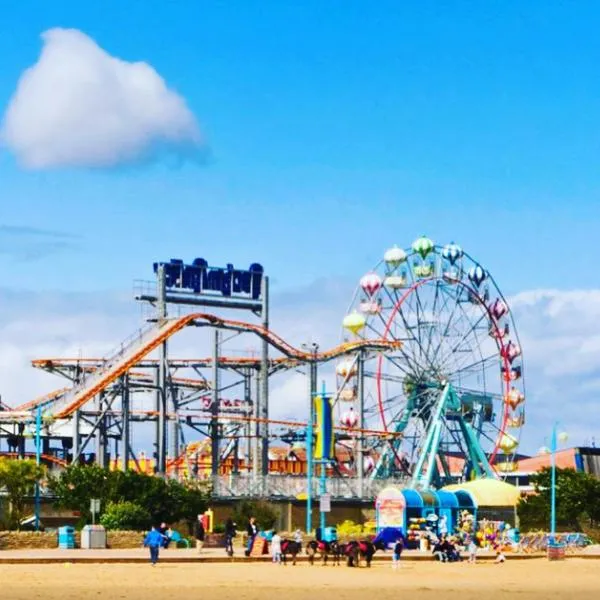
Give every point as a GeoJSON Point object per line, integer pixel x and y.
{"type": "Point", "coordinates": [164, 500]}
{"type": "Point", "coordinates": [125, 516]}
{"type": "Point", "coordinates": [262, 511]}
{"type": "Point", "coordinates": [18, 479]}
{"type": "Point", "coordinates": [577, 501]}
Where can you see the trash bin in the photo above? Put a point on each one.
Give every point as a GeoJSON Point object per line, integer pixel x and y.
{"type": "Point", "coordinates": [556, 551]}
{"type": "Point", "coordinates": [66, 537]}
{"type": "Point", "coordinates": [93, 537]}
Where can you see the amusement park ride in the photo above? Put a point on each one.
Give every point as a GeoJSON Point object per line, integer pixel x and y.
{"type": "Point", "coordinates": [430, 385]}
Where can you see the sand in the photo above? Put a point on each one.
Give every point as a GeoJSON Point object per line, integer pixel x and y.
{"type": "Point", "coordinates": [527, 579]}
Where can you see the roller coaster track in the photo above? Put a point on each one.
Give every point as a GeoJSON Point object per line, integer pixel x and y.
{"type": "Point", "coordinates": [136, 348]}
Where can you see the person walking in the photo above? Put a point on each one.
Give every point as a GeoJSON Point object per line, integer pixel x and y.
{"type": "Point", "coordinates": [154, 540]}
{"type": "Point", "coordinates": [252, 531]}
{"type": "Point", "coordinates": [276, 548]}
{"type": "Point", "coordinates": [230, 533]}
{"type": "Point", "coordinates": [398, 549]}
{"type": "Point", "coordinates": [199, 534]}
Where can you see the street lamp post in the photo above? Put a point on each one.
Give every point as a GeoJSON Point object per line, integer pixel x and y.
{"type": "Point", "coordinates": [556, 437]}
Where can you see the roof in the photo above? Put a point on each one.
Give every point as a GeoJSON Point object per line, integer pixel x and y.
{"type": "Point", "coordinates": [565, 459]}
{"type": "Point", "coordinates": [489, 492]}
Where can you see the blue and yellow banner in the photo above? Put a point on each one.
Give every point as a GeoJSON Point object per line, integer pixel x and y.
{"type": "Point", "coordinates": [324, 445]}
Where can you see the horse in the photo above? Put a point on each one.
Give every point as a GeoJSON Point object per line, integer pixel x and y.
{"type": "Point", "coordinates": [290, 547]}
{"type": "Point", "coordinates": [324, 549]}
{"type": "Point", "coordinates": [356, 550]}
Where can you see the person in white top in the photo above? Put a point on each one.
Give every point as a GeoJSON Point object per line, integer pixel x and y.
{"type": "Point", "coordinates": [276, 547]}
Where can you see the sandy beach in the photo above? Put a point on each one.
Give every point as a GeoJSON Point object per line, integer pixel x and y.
{"type": "Point", "coordinates": [574, 578]}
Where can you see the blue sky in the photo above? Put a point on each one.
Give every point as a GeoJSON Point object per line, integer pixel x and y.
{"type": "Point", "coordinates": [333, 133]}
{"type": "Point", "coordinates": [331, 130]}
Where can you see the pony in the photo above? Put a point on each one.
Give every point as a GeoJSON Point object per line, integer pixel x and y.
{"type": "Point", "coordinates": [290, 547]}
{"type": "Point", "coordinates": [325, 549]}
{"type": "Point", "coordinates": [361, 549]}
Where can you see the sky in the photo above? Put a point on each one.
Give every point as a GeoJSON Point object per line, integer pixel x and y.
{"type": "Point", "coordinates": [309, 137]}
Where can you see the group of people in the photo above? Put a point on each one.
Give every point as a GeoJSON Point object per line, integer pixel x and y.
{"type": "Point", "coordinates": [163, 536]}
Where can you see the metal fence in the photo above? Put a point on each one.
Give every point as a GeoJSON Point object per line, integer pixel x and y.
{"type": "Point", "coordinates": [291, 487]}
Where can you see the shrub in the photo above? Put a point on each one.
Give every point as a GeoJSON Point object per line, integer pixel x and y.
{"type": "Point", "coordinates": [125, 516]}
{"type": "Point", "coordinates": [264, 513]}
{"type": "Point", "coordinates": [349, 529]}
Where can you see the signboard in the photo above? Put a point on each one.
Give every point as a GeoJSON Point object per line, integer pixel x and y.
{"type": "Point", "coordinates": [324, 444]}
{"type": "Point", "coordinates": [94, 508]}
{"type": "Point", "coordinates": [325, 503]}
{"type": "Point", "coordinates": [200, 278]}
{"type": "Point", "coordinates": [390, 508]}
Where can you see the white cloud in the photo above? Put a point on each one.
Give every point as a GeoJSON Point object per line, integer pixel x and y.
{"type": "Point", "coordinates": [78, 106]}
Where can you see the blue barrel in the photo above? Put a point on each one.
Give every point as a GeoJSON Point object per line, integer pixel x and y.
{"type": "Point", "coordinates": [66, 537]}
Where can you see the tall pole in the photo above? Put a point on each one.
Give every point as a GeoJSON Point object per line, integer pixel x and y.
{"type": "Point", "coordinates": [360, 463]}
{"type": "Point", "coordinates": [161, 392]}
{"type": "Point", "coordinates": [323, 478]}
{"type": "Point", "coordinates": [553, 447]}
{"type": "Point", "coordinates": [38, 459]}
{"type": "Point", "coordinates": [312, 387]}
{"type": "Point", "coordinates": [75, 449]}
{"type": "Point", "coordinates": [214, 409]}
{"type": "Point", "coordinates": [264, 381]}
{"type": "Point", "coordinates": [248, 403]}
{"type": "Point", "coordinates": [125, 414]}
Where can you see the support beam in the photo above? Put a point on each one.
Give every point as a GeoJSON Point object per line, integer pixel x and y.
{"type": "Point", "coordinates": [214, 409]}
{"type": "Point", "coordinates": [264, 382]}
{"type": "Point", "coordinates": [161, 392]}
{"type": "Point", "coordinates": [76, 450]}
{"type": "Point", "coordinates": [125, 410]}
{"type": "Point", "coordinates": [101, 441]}
{"type": "Point", "coordinates": [360, 462]}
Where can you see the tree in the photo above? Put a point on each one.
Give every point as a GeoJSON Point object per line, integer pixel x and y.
{"type": "Point", "coordinates": [18, 478]}
{"type": "Point", "coordinates": [125, 516]}
{"type": "Point", "coordinates": [261, 510]}
{"type": "Point", "coordinates": [577, 501]}
{"type": "Point", "coordinates": [165, 500]}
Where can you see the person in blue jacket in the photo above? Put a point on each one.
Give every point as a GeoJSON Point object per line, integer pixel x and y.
{"type": "Point", "coordinates": [154, 540]}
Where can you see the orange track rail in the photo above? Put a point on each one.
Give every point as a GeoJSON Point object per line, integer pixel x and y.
{"type": "Point", "coordinates": [168, 328]}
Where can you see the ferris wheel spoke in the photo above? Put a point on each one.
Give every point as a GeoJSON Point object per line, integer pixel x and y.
{"type": "Point", "coordinates": [407, 328]}
{"type": "Point", "coordinates": [479, 363]}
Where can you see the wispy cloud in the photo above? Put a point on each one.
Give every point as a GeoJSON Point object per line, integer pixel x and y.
{"type": "Point", "coordinates": [25, 243]}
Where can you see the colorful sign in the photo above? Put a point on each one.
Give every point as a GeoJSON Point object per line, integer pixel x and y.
{"type": "Point", "coordinates": [324, 445]}
{"type": "Point", "coordinates": [390, 507]}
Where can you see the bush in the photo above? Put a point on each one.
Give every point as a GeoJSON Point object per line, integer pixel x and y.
{"type": "Point", "coordinates": [126, 516]}
{"type": "Point", "coordinates": [261, 510]}
{"type": "Point", "coordinates": [349, 529]}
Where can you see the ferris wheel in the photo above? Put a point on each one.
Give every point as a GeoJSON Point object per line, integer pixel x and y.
{"type": "Point", "coordinates": [452, 397]}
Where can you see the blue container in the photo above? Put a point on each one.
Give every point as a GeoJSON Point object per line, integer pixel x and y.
{"type": "Point", "coordinates": [66, 538]}
{"type": "Point", "coordinates": [329, 534]}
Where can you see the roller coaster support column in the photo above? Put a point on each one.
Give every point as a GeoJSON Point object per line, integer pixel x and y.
{"type": "Point", "coordinates": [75, 449]}
{"type": "Point", "coordinates": [101, 450]}
{"type": "Point", "coordinates": [214, 409]}
{"type": "Point", "coordinates": [360, 462]}
{"type": "Point", "coordinates": [311, 368]}
{"type": "Point", "coordinates": [38, 457]}
{"type": "Point", "coordinates": [264, 381]}
{"type": "Point", "coordinates": [248, 402]}
{"type": "Point", "coordinates": [125, 428]}
{"type": "Point", "coordinates": [161, 392]}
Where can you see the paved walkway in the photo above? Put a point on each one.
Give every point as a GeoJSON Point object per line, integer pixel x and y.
{"type": "Point", "coordinates": [208, 555]}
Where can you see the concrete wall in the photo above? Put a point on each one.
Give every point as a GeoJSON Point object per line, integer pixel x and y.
{"type": "Point", "coordinates": [292, 515]}
{"type": "Point", "coordinates": [25, 540]}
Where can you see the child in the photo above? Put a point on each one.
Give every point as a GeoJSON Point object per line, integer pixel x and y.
{"type": "Point", "coordinates": [398, 548]}
{"type": "Point", "coordinates": [500, 558]}
{"type": "Point", "coordinates": [472, 548]}
{"type": "Point", "coordinates": [154, 540]}
{"type": "Point", "coordinates": [276, 547]}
